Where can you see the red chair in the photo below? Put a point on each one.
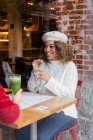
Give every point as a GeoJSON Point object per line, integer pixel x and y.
{"type": "Point", "coordinates": [72, 127]}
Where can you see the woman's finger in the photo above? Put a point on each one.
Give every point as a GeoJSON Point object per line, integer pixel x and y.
{"type": "Point", "coordinates": [20, 91]}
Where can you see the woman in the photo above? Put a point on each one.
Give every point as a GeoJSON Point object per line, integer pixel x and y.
{"type": "Point", "coordinates": [9, 110]}
{"type": "Point", "coordinates": [54, 74]}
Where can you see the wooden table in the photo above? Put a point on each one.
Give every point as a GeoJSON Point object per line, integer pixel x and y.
{"type": "Point", "coordinates": [30, 115]}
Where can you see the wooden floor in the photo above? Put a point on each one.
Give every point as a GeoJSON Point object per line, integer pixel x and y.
{"type": "Point", "coordinates": [7, 134]}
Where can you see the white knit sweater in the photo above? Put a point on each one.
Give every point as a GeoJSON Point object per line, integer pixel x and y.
{"type": "Point", "coordinates": [63, 82]}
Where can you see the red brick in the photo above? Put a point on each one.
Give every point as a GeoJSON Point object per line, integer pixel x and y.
{"type": "Point", "coordinates": [65, 12]}
{"type": "Point", "coordinates": [90, 26]}
{"type": "Point", "coordinates": [89, 52]}
{"type": "Point", "coordinates": [75, 17]}
{"type": "Point", "coordinates": [58, 14]}
{"type": "Point", "coordinates": [59, 4]}
{"type": "Point", "coordinates": [78, 21]}
{"type": "Point", "coordinates": [88, 77]}
{"type": "Point", "coordinates": [79, 41]}
{"type": "Point", "coordinates": [70, 27]}
{"type": "Point", "coordinates": [89, 22]}
{"type": "Point", "coordinates": [81, 6]}
{"type": "Point", "coordinates": [76, 12]}
{"type": "Point", "coordinates": [75, 21]}
{"type": "Point", "coordinates": [81, 57]}
{"type": "Point", "coordinates": [83, 21]}
{"type": "Point", "coordinates": [89, 42]}
{"type": "Point", "coordinates": [82, 47]}
{"type": "Point", "coordinates": [80, 72]}
{"type": "Point", "coordinates": [83, 67]}
{"type": "Point", "coordinates": [88, 62]}
{"type": "Point", "coordinates": [86, 47]}
{"type": "Point", "coordinates": [87, 12]}
{"type": "Point", "coordinates": [78, 61]}
{"type": "Point", "coordinates": [68, 3]}
{"type": "Point", "coordinates": [58, 9]}
{"type": "Point", "coordinates": [89, 16]}
{"type": "Point", "coordinates": [68, 7]}
{"type": "Point", "coordinates": [77, 37]}
{"type": "Point", "coordinates": [71, 22]}
{"type": "Point", "coordinates": [80, 27]}
{"type": "Point", "coordinates": [80, 1]}
{"type": "Point", "coordinates": [73, 32]}
{"type": "Point", "coordinates": [76, 51]}
{"type": "Point", "coordinates": [89, 73]}
{"type": "Point", "coordinates": [91, 57]}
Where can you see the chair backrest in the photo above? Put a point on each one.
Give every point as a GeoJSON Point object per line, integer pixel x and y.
{"type": "Point", "coordinates": [78, 89]}
{"type": "Point", "coordinates": [20, 66]}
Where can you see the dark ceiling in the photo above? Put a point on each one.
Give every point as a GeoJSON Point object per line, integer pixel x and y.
{"type": "Point", "coordinates": [25, 5]}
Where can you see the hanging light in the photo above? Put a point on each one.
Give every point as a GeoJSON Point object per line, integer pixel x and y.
{"type": "Point", "coordinates": [52, 4]}
{"type": "Point", "coordinates": [30, 3]}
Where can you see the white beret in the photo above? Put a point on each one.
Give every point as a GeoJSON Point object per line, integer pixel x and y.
{"type": "Point", "coordinates": [54, 35]}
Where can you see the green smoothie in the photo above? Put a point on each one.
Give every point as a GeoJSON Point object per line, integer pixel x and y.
{"type": "Point", "coordinates": [15, 83]}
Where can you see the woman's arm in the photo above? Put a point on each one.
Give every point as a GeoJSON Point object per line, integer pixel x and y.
{"type": "Point", "coordinates": [31, 83]}
{"type": "Point", "coordinates": [9, 111]}
{"type": "Point", "coordinates": [67, 84]}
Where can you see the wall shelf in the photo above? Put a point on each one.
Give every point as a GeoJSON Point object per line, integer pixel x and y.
{"type": "Point", "coordinates": [28, 49]}
{"type": "Point", "coordinates": [4, 37]}
{"type": "Point", "coordinates": [3, 50]}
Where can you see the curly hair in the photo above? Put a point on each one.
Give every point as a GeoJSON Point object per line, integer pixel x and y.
{"type": "Point", "coordinates": [63, 51]}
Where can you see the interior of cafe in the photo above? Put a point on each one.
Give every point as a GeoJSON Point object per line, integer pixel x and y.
{"type": "Point", "coordinates": [21, 31]}
{"type": "Point", "coordinates": [36, 18]}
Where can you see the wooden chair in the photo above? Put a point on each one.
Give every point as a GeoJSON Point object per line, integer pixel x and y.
{"type": "Point", "coordinates": [71, 129]}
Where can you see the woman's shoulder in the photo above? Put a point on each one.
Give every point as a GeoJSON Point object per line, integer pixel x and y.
{"type": "Point", "coordinates": [71, 63]}
{"type": "Point", "coordinates": [72, 66]}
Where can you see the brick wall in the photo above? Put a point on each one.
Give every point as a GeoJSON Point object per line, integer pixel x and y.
{"type": "Point", "coordinates": [75, 18]}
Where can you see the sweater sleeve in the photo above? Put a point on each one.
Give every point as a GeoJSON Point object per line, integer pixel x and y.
{"type": "Point", "coordinates": [67, 84]}
{"type": "Point", "coordinates": [31, 83]}
{"type": "Point", "coordinates": [9, 111]}
{"type": "Point", "coordinates": [9, 114]}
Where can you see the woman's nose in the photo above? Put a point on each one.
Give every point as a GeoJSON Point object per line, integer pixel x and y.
{"type": "Point", "coordinates": [47, 48]}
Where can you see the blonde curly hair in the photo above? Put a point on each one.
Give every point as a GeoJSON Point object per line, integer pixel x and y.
{"type": "Point", "coordinates": [63, 50]}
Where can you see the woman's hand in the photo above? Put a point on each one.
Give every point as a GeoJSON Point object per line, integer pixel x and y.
{"type": "Point", "coordinates": [42, 75]}
{"type": "Point", "coordinates": [17, 97]}
{"type": "Point", "coordinates": [39, 73]}
{"type": "Point", "coordinates": [36, 64]}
